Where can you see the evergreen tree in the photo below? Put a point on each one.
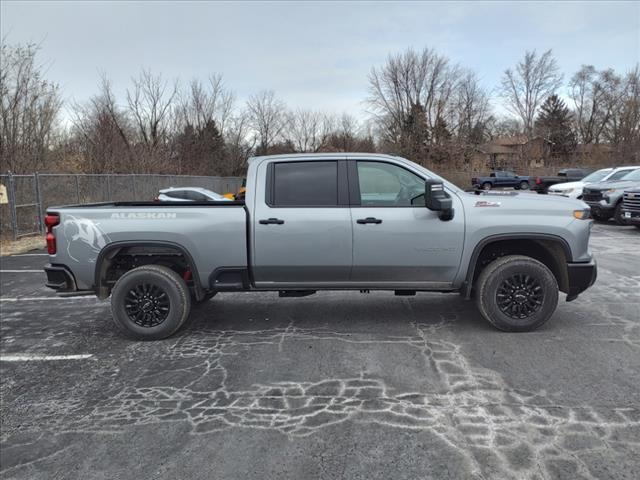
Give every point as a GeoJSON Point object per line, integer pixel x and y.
{"type": "Point", "coordinates": [414, 136]}
{"type": "Point", "coordinates": [554, 123]}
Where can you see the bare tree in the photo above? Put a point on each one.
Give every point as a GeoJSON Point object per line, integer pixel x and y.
{"type": "Point", "coordinates": [150, 106]}
{"type": "Point", "coordinates": [200, 103]}
{"type": "Point", "coordinates": [308, 129]}
{"type": "Point", "coordinates": [524, 89]}
{"type": "Point", "coordinates": [471, 109]}
{"type": "Point", "coordinates": [596, 97]}
{"type": "Point", "coordinates": [267, 117]}
{"type": "Point", "coordinates": [623, 128]}
{"type": "Point", "coordinates": [103, 133]}
{"type": "Point", "coordinates": [29, 106]}
{"type": "Point", "coordinates": [424, 79]}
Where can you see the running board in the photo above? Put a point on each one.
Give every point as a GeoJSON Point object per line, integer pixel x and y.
{"type": "Point", "coordinates": [295, 293]}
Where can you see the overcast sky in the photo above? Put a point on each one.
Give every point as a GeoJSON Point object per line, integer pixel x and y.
{"type": "Point", "coordinates": [315, 55]}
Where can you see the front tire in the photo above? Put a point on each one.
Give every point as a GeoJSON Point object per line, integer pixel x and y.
{"type": "Point", "coordinates": [516, 293]}
{"type": "Point", "coordinates": [150, 302]}
{"type": "Point", "coordinates": [618, 215]}
{"type": "Point", "coordinates": [486, 186]}
{"type": "Point", "coordinates": [598, 216]}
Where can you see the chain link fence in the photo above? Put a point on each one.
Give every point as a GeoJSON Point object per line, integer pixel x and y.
{"type": "Point", "coordinates": [24, 198]}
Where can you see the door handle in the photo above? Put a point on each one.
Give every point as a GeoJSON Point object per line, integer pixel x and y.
{"type": "Point", "coordinates": [369, 220]}
{"type": "Point", "coordinates": [270, 221]}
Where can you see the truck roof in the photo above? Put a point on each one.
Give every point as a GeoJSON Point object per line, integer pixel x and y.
{"type": "Point", "coordinates": [323, 156]}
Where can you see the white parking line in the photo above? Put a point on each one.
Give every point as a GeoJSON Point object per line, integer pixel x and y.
{"type": "Point", "coordinates": [35, 299]}
{"type": "Point", "coordinates": [41, 358]}
{"type": "Point", "coordinates": [31, 255]}
{"type": "Point", "coordinates": [21, 271]}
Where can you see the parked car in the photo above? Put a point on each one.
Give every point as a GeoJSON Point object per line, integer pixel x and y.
{"type": "Point", "coordinates": [605, 198]}
{"type": "Point", "coordinates": [631, 206]}
{"type": "Point", "coordinates": [501, 178]}
{"type": "Point", "coordinates": [189, 194]}
{"type": "Point", "coordinates": [313, 222]}
{"type": "Point", "coordinates": [542, 184]}
{"type": "Point", "coordinates": [574, 189]}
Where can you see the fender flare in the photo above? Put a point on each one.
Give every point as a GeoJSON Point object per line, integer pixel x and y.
{"type": "Point", "coordinates": [115, 246]}
{"type": "Point", "coordinates": [468, 283]}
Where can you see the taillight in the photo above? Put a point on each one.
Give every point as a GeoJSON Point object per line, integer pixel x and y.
{"type": "Point", "coordinates": [50, 221]}
{"type": "Point", "coordinates": [156, 199]}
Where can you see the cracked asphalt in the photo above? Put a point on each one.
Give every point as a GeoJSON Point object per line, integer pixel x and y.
{"type": "Point", "coordinates": [335, 385]}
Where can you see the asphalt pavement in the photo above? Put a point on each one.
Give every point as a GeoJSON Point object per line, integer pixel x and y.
{"type": "Point", "coordinates": [335, 385]}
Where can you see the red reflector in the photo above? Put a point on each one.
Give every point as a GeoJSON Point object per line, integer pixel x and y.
{"type": "Point", "coordinates": [51, 220]}
{"type": "Point", "coordinates": [51, 243]}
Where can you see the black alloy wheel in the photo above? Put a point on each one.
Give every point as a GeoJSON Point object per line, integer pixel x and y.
{"type": "Point", "coordinates": [519, 296]}
{"type": "Point", "coordinates": [147, 305]}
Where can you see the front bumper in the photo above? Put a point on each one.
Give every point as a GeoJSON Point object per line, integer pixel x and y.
{"type": "Point", "coordinates": [631, 217]}
{"type": "Point", "coordinates": [60, 278]}
{"type": "Point", "coordinates": [581, 277]}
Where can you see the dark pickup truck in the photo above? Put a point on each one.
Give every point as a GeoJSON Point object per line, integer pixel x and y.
{"type": "Point", "coordinates": [542, 184]}
{"type": "Point", "coordinates": [501, 178]}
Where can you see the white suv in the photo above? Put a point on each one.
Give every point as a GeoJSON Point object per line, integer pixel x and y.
{"type": "Point", "coordinates": [574, 189]}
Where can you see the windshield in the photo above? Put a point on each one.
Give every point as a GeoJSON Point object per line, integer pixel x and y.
{"type": "Point", "coordinates": [634, 175]}
{"type": "Point", "coordinates": [596, 176]}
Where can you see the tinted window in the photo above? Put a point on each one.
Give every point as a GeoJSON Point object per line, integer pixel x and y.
{"type": "Point", "coordinates": [195, 196]}
{"type": "Point", "coordinates": [174, 194]}
{"type": "Point", "coordinates": [510, 174]}
{"type": "Point", "coordinates": [305, 184]}
{"type": "Point", "coordinates": [386, 185]}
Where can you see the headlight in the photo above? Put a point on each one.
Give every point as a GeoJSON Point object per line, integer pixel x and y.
{"type": "Point", "coordinates": [568, 190]}
{"type": "Point", "coordinates": [583, 214]}
{"type": "Point", "coordinates": [610, 190]}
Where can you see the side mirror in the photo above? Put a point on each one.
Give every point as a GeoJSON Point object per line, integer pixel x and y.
{"type": "Point", "coordinates": [437, 200]}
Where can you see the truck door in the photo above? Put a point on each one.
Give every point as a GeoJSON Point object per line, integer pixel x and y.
{"type": "Point", "coordinates": [397, 241]}
{"type": "Point", "coordinates": [302, 224]}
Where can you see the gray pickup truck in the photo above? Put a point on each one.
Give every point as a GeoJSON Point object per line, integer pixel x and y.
{"type": "Point", "coordinates": [325, 222]}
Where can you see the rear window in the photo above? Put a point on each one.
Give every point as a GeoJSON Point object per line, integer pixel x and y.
{"type": "Point", "coordinates": [174, 194]}
{"type": "Point", "coordinates": [305, 184]}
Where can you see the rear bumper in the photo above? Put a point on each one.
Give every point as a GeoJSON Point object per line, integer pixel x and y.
{"type": "Point", "coordinates": [60, 278]}
{"type": "Point", "coordinates": [581, 277]}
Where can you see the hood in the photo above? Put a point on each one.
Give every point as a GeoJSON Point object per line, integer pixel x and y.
{"type": "Point", "coordinates": [567, 186]}
{"type": "Point", "coordinates": [610, 185]}
{"type": "Point", "coordinates": [529, 201]}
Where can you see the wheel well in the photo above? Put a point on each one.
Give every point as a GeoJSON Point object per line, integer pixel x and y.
{"type": "Point", "coordinates": [117, 260]}
{"type": "Point", "coordinates": [549, 252]}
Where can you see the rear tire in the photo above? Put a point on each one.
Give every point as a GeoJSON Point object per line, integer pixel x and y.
{"type": "Point", "coordinates": [150, 302]}
{"type": "Point", "coordinates": [516, 293]}
{"type": "Point", "coordinates": [486, 186]}
{"type": "Point", "coordinates": [524, 185]}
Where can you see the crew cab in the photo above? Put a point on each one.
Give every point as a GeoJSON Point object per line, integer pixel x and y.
{"type": "Point", "coordinates": [324, 222]}
{"type": "Point", "coordinates": [542, 184]}
{"type": "Point", "coordinates": [501, 178]}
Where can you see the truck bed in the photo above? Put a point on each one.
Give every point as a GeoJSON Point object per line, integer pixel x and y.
{"type": "Point", "coordinates": [213, 234]}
